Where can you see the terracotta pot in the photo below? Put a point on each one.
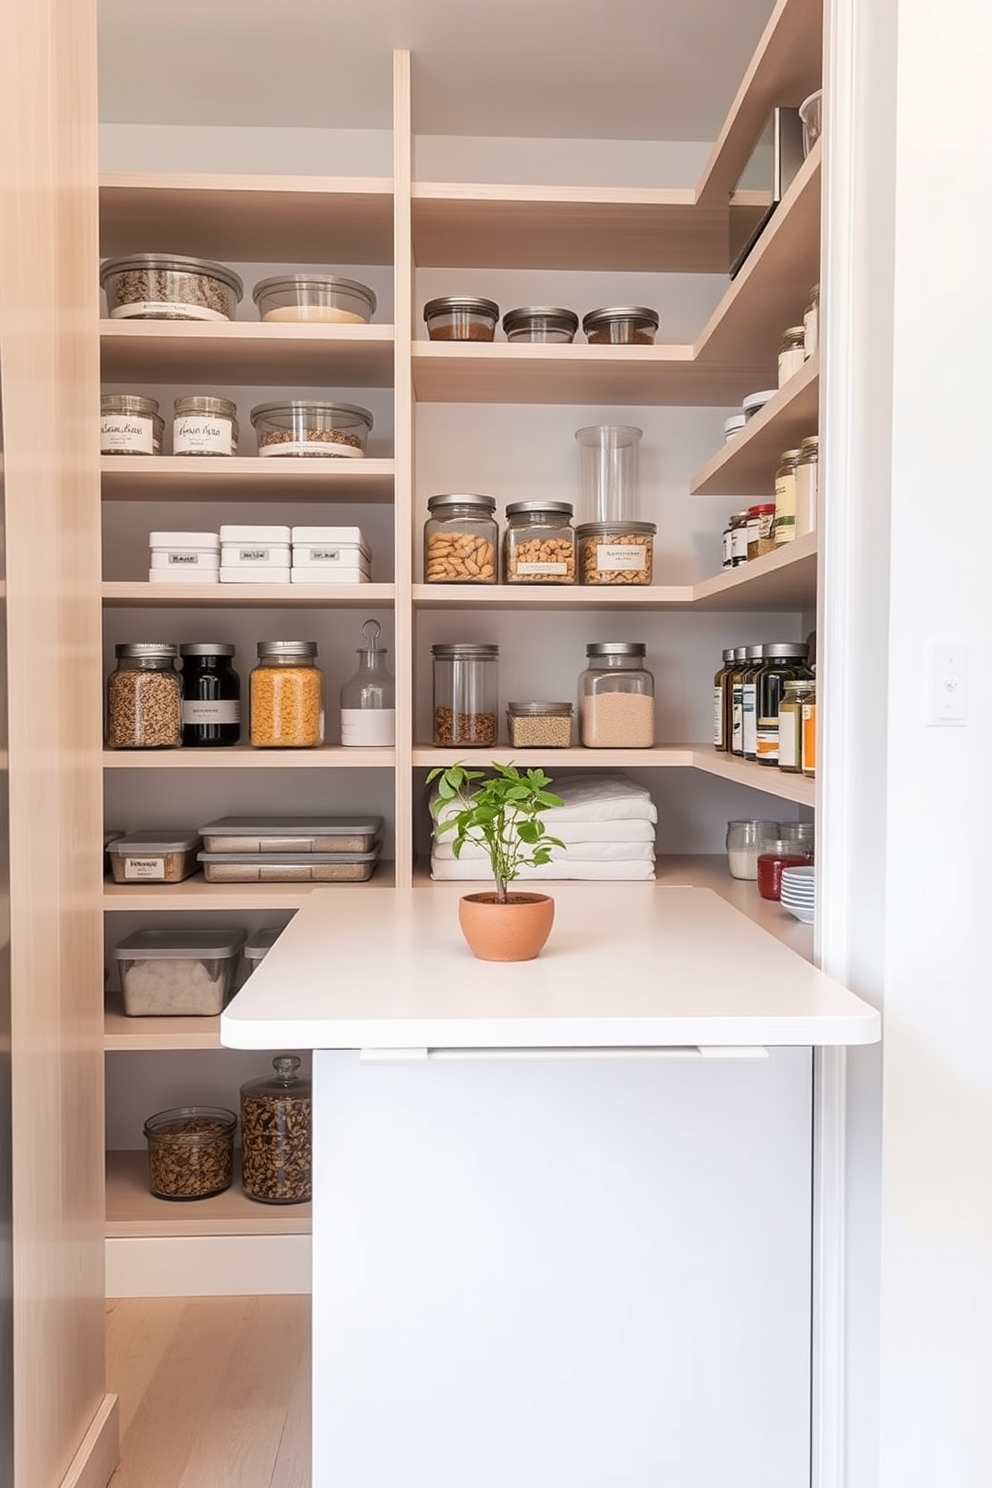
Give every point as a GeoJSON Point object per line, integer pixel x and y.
{"type": "Point", "coordinates": [514, 931]}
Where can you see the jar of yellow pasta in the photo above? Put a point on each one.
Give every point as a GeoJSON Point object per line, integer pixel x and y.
{"type": "Point", "coordinates": [286, 696]}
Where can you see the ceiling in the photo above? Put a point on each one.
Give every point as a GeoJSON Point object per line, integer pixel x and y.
{"type": "Point", "coordinates": [568, 69]}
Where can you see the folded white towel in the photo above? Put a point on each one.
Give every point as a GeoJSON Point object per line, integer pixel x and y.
{"type": "Point", "coordinates": [589, 852]}
{"type": "Point", "coordinates": [566, 868]}
{"type": "Point", "coordinates": [590, 798]}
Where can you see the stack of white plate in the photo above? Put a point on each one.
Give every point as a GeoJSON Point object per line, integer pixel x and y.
{"type": "Point", "coordinates": [799, 892]}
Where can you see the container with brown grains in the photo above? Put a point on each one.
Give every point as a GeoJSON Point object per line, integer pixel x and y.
{"type": "Point", "coordinates": [307, 428]}
{"type": "Point", "coordinates": [616, 552]}
{"type": "Point", "coordinates": [621, 325]}
{"type": "Point", "coordinates": [286, 696]}
{"type": "Point", "coordinates": [169, 286]}
{"type": "Point", "coordinates": [466, 691]}
{"type": "Point", "coordinates": [461, 318]}
{"type": "Point", "coordinates": [276, 1134]}
{"type": "Point", "coordinates": [190, 1151]}
{"type": "Point", "coordinates": [145, 697]}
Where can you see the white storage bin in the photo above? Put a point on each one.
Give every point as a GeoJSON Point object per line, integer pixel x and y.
{"type": "Point", "coordinates": [177, 973]}
{"type": "Point", "coordinates": [254, 554]}
{"type": "Point", "coordinates": [262, 573]}
{"type": "Point", "coordinates": [183, 557]}
{"type": "Point", "coordinates": [330, 547]}
{"type": "Point", "coordinates": [329, 575]}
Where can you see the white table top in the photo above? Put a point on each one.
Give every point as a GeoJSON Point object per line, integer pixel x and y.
{"type": "Point", "coordinates": [626, 966]}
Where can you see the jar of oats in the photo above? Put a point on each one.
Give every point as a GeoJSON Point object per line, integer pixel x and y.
{"type": "Point", "coordinates": [616, 552]}
{"type": "Point", "coordinates": [275, 1134]}
{"type": "Point", "coordinates": [145, 697]}
{"type": "Point", "coordinates": [539, 543]}
{"type": "Point", "coordinates": [616, 697]}
{"type": "Point", "coordinates": [169, 286]}
{"type": "Point", "coordinates": [286, 696]}
{"type": "Point", "coordinates": [460, 540]}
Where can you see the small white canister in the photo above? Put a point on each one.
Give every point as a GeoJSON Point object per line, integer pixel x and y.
{"type": "Point", "coordinates": [330, 555]}
{"type": "Point", "coordinates": [254, 554]}
{"type": "Point", "coordinates": [184, 558]}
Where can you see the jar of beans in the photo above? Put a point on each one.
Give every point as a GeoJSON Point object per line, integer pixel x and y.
{"type": "Point", "coordinates": [460, 540]}
{"type": "Point", "coordinates": [539, 543]}
{"type": "Point", "coordinates": [466, 693]}
{"type": "Point", "coordinates": [275, 1134]}
{"type": "Point", "coordinates": [145, 697]}
{"type": "Point", "coordinates": [286, 696]}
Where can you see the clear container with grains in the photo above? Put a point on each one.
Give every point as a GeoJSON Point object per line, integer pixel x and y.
{"type": "Point", "coordinates": [539, 543]}
{"type": "Point", "coordinates": [616, 697]}
{"type": "Point", "coordinates": [286, 693]}
{"type": "Point", "coordinates": [145, 697]}
{"type": "Point", "coordinates": [190, 1151]}
{"type": "Point", "coordinates": [289, 867]}
{"type": "Point", "coordinates": [616, 552]}
{"type": "Point", "coordinates": [130, 424]}
{"type": "Point", "coordinates": [169, 286]}
{"type": "Point", "coordinates": [322, 298]}
{"type": "Point", "coordinates": [745, 841]}
{"type": "Point", "coordinates": [549, 324]}
{"type": "Point", "coordinates": [461, 538]}
{"type": "Point", "coordinates": [621, 325]}
{"type": "Point", "coordinates": [466, 692]}
{"type": "Point", "coordinates": [177, 973]}
{"type": "Point", "coordinates": [301, 427]}
{"type": "Point", "coordinates": [154, 856]}
{"type": "Point", "coordinates": [276, 1134]}
{"type": "Point", "coordinates": [204, 425]}
{"type": "Point", "coordinates": [461, 318]}
{"type": "Point", "coordinates": [539, 725]}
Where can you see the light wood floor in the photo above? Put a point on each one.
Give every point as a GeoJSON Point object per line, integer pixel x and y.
{"type": "Point", "coordinates": [214, 1391]}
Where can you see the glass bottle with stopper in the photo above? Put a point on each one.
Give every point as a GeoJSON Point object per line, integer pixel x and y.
{"type": "Point", "coordinates": [368, 699]}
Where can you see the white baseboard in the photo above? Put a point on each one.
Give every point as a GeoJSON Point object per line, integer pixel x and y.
{"type": "Point", "coordinates": [208, 1266]}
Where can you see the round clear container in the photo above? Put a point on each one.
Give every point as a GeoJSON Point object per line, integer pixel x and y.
{"type": "Point", "coordinates": [539, 725]}
{"type": "Point", "coordinates": [211, 694]}
{"type": "Point", "coordinates": [545, 323]}
{"type": "Point", "coordinates": [276, 1124]}
{"type": "Point", "coordinates": [324, 298]}
{"type": "Point", "coordinates": [461, 540]}
{"type": "Point", "coordinates": [190, 1151]}
{"type": "Point", "coordinates": [466, 691]}
{"type": "Point", "coordinates": [745, 840]}
{"type": "Point", "coordinates": [807, 475]}
{"type": "Point", "coordinates": [300, 427]}
{"type": "Point", "coordinates": [616, 697]}
{"type": "Point", "coordinates": [616, 552]}
{"type": "Point", "coordinates": [609, 472]}
{"type": "Point", "coordinates": [204, 425]}
{"type": "Point", "coordinates": [286, 696]}
{"type": "Point", "coordinates": [144, 697]}
{"type": "Point", "coordinates": [621, 325]}
{"type": "Point", "coordinates": [130, 424]}
{"type": "Point", "coordinates": [461, 318]}
{"type": "Point", "coordinates": [790, 724]}
{"type": "Point", "coordinates": [539, 543]}
{"type": "Point", "coordinates": [168, 286]}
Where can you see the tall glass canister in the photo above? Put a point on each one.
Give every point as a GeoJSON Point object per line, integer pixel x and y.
{"type": "Point", "coordinates": [466, 694]}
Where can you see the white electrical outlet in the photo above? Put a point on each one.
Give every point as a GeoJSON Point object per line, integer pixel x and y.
{"type": "Point", "coordinates": [948, 678]}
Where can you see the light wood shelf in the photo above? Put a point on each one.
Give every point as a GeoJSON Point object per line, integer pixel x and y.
{"type": "Point", "coordinates": [746, 465]}
{"type": "Point", "coordinates": [156, 1034]}
{"type": "Point", "coordinates": [245, 757]}
{"type": "Point", "coordinates": [284, 596]}
{"type": "Point", "coordinates": [193, 894]}
{"type": "Point", "coordinates": [246, 353]}
{"type": "Point", "coordinates": [774, 782]}
{"type": "Point", "coordinates": [785, 579]}
{"type": "Point", "coordinates": [133, 1212]}
{"type": "Point", "coordinates": [245, 478]}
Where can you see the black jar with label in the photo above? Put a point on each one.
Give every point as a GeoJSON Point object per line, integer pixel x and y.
{"type": "Point", "coordinates": [782, 662]}
{"type": "Point", "coordinates": [211, 694]}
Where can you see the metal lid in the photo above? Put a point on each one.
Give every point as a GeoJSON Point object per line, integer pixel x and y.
{"type": "Point", "coordinates": [293, 826]}
{"type": "Point", "coordinates": [314, 281]}
{"type": "Point", "coordinates": [810, 445]}
{"type": "Point", "coordinates": [801, 684]}
{"type": "Point", "coordinates": [607, 313]}
{"type": "Point", "coordinates": [464, 648]}
{"type": "Point", "coordinates": [150, 649]}
{"type": "Point", "coordinates": [440, 503]}
{"type": "Point", "coordinates": [788, 457]}
{"type": "Point", "coordinates": [286, 648]}
{"type": "Point", "coordinates": [615, 529]}
{"type": "Point", "coordinates": [794, 333]}
{"type": "Point", "coordinates": [740, 653]}
{"type": "Point", "coordinates": [175, 263]}
{"type": "Point", "coordinates": [754, 653]}
{"type": "Point", "coordinates": [563, 320]}
{"type": "Point", "coordinates": [735, 421]}
{"type": "Point", "coordinates": [729, 653]}
{"type": "Point", "coordinates": [616, 648]}
{"type": "Point", "coordinates": [521, 508]}
{"type": "Point", "coordinates": [539, 710]}
{"type": "Point", "coordinates": [206, 648]}
{"type": "Point", "coordinates": [755, 400]}
{"type": "Point", "coordinates": [798, 650]}
{"type": "Point", "coordinates": [205, 403]}
{"type": "Point", "coordinates": [468, 304]}
{"type": "Point", "coordinates": [127, 403]}
{"type": "Point", "coordinates": [305, 406]}
{"type": "Point", "coordinates": [151, 840]}
{"type": "Point", "coordinates": [171, 944]}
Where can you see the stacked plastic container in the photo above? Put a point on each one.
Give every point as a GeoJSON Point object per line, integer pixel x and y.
{"type": "Point", "coordinates": [330, 555]}
{"type": "Point", "coordinates": [266, 849]}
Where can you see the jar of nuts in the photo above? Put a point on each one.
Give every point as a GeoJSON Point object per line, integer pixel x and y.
{"type": "Point", "coordinates": [145, 697]}
{"type": "Point", "coordinates": [465, 694]}
{"type": "Point", "coordinates": [538, 543]}
{"type": "Point", "coordinates": [190, 1151]}
{"type": "Point", "coordinates": [616, 552]}
{"type": "Point", "coordinates": [275, 1134]}
{"type": "Point", "coordinates": [460, 540]}
{"type": "Point", "coordinates": [286, 696]}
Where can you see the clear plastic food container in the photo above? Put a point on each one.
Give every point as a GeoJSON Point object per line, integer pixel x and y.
{"type": "Point", "coordinates": [545, 323]}
{"type": "Point", "coordinates": [258, 946]}
{"type": "Point", "coordinates": [168, 286]}
{"type": "Point", "coordinates": [300, 427]}
{"type": "Point", "coordinates": [621, 325]}
{"type": "Point", "coordinates": [190, 1151]}
{"type": "Point", "coordinates": [616, 552]}
{"type": "Point", "coordinates": [204, 425]}
{"type": "Point", "coordinates": [461, 318]}
{"type": "Point", "coordinates": [539, 725]}
{"type": "Point", "coordinates": [461, 539]}
{"type": "Point", "coordinates": [304, 867]}
{"type": "Point", "coordinates": [177, 973]}
{"type": "Point", "coordinates": [539, 543]}
{"type": "Point", "coordinates": [154, 856]}
{"type": "Point", "coordinates": [295, 834]}
{"type": "Point", "coordinates": [130, 424]}
{"type": "Point", "coordinates": [322, 298]}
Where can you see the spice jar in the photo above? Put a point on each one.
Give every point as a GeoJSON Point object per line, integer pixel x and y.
{"type": "Point", "coordinates": [621, 325]}
{"type": "Point", "coordinates": [539, 543]}
{"type": "Point", "coordinates": [782, 662]}
{"type": "Point", "coordinates": [811, 322]}
{"type": "Point", "coordinates": [807, 485]}
{"type": "Point", "coordinates": [791, 355]}
{"type": "Point", "coordinates": [321, 298]}
{"type": "Point", "coordinates": [276, 1125]}
{"type": "Point", "coordinates": [368, 699]}
{"type": "Point", "coordinates": [204, 426]}
{"type": "Point", "coordinates": [130, 424]}
{"type": "Point", "coordinates": [211, 694]}
{"type": "Point", "coordinates": [286, 692]}
{"type": "Point", "coordinates": [795, 692]}
{"type": "Point", "coordinates": [616, 552]}
{"type": "Point", "coordinates": [735, 540]}
{"type": "Point", "coordinates": [732, 701]}
{"type": "Point", "coordinates": [144, 697]}
{"type": "Point", "coordinates": [785, 497]}
{"type": "Point", "coordinates": [190, 1151]}
{"type": "Point", "coordinates": [616, 697]}
{"type": "Point", "coordinates": [169, 286]}
{"type": "Point", "coordinates": [301, 427]}
{"type": "Point", "coordinates": [460, 540]}
{"type": "Point", "coordinates": [760, 530]}
{"type": "Point", "coordinates": [539, 725]}
{"type": "Point", "coordinates": [466, 691]}
{"type": "Point", "coordinates": [753, 661]}
{"type": "Point", "coordinates": [720, 684]}
{"type": "Point", "coordinates": [461, 318]}
{"type": "Point", "coordinates": [808, 723]}
{"type": "Point", "coordinates": [544, 323]}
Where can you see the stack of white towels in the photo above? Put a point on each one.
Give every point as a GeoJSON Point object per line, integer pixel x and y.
{"type": "Point", "coordinates": [607, 823]}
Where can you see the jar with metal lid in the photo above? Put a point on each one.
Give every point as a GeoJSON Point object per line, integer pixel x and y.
{"type": "Point", "coordinates": [169, 286]}
{"type": "Point", "coordinates": [807, 485]}
{"type": "Point", "coordinates": [461, 318]}
{"type": "Point", "coordinates": [808, 725]}
{"type": "Point", "coordinates": [276, 1134]}
{"type": "Point", "coordinates": [754, 659]}
{"type": "Point", "coordinates": [791, 355]}
{"type": "Point", "coordinates": [732, 697]}
{"type": "Point", "coordinates": [461, 539]}
{"type": "Point", "coordinates": [760, 529]}
{"type": "Point", "coordinates": [621, 325]}
{"type": "Point", "coordinates": [720, 683]}
{"type": "Point", "coordinates": [211, 694]}
{"type": "Point", "coordinates": [130, 424]}
{"type": "Point", "coordinates": [811, 322]}
{"type": "Point", "coordinates": [539, 543]}
{"type": "Point", "coordinates": [785, 497]}
{"type": "Point", "coordinates": [286, 696]}
{"type": "Point", "coordinates": [782, 662]}
{"type": "Point", "coordinates": [324, 299]}
{"type": "Point", "coordinates": [544, 323]}
{"type": "Point", "coordinates": [795, 693]}
{"type": "Point", "coordinates": [735, 540]}
{"type": "Point", "coordinates": [368, 699]}
{"type": "Point", "coordinates": [616, 697]}
{"type": "Point", "coordinates": [616, 552]}
{"type": "Point", "coordinates": [466, 694]}
{"type": "Point", "coordinates": [539, 725]}
{"type": "Point", "coordinates": [203, 425]}
{"type": "Point", "coordinates": [302, 427]}
{"type": "Point", "coordinates": [144, 697]}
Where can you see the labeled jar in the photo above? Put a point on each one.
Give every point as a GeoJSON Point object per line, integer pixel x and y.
{"type": "Point", "coordinates": [807, 485]}
{"type": "Point", "coordinates": [760, 530]}
{"type": "Point", "coordinates": [211, 694]}
{"type": "Point", "coordinates": [368, 698]}
{"type": "Point", "coordinates": [785, 497]}
{"type": "Point", "coordinates": [733, 702]}
{"type": "Point", "coordinates": [539, 543]}
{"type": "Point", "coordinates": [190, 1151]}
{"type": "Point", "coordinates": [811, 322]}
{"type": "Point", "coordinates": [461, 318]}
{"type": "Point", "coordinates": [276, 1134]}
{"type": "Point", "coordinates": [754, 659]}
{"type": "Point", "coordinates": [773, 858]}
{"type": "Point", "coordinates": [791, 353]}
{"type": "Point", "coordinates": [286, 696]}
{"type": "Point", "coordinates": [130, 424]}
{"type": "Point", "coordinates": [616, 552]}
{"type": "Point", "coordinates": [302, 427]}
{"type": "Point", "coordinates": [782, 662]}
{"type": "Point", "coordinates": [539, 725]}
{"type": "Point", "coordinates": [621, 325]}
{"type": "Point", "coordinates": [324, 299]}
{"type": "Point", "coordinates": [144, 697]}
{"type": "Point", "coordinates": [790, 710]}
{"type": "Point", "coordinates": [203, 425]}
{"type": "Point", "coordinates": [169, 286]}
{"type": "Point", "coordinates": [808, 725]}
{"type": "Point", "coordinates": [721, 681]}
{"type": "Point", "coordinates": [548, 324]}
{"type": "Point", "coordinates": [735, 539]}
{"type": "Point", "coordinates": [461, 539]}
{"type": "Point", "coordinates": [466, 693]}
{"type": "Point", "coordinates": [616, 697]}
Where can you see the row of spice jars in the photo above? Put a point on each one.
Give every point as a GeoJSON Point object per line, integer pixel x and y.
{"type": "Point", "coordinates": [172, 286]}
{"type": "Point", "coordinates": [539, 545]}
{"type": "Point", "coordinates": [764, 705]}
{"type": "Point", "coordinates": [767, 525]}
{"type": "Point", "coordinates": [130, 424]}
{"type": "Point", "coordinates": [473, 318]}
{"type": "Point", "coordinates": [798, 344]}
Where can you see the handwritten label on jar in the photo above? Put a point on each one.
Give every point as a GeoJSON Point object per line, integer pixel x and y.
{"type": "Point", "coordinates": [199, 712]}
{"type": "Point", "coordinates": [203, 435]}
{"type": "Point", "coordinates": [631, 556]}
{"type": "Point", "coordinates": [317, 446]}
{"type": "Point", "coordinates": [180, 309]}
{"type": "Point", "coordinates": [127, 432]}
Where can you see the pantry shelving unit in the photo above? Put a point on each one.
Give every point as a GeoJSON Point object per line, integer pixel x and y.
{"type": "Point", "coordinates": [129, 478]}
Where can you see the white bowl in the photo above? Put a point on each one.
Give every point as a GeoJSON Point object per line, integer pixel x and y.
{"type": "Point", "coordinates": [802, 912]}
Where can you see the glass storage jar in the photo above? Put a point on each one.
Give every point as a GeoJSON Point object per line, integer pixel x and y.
{"type": "Point", "coordinates": [539, 725]}
{"type": "Point", "coordinates": [466, 694]}
{"type": "Point", "coordinates": [791, 355]}
{"type": "Point", "coordinates": [616, 552]}
{"type": "Point", "coordinates": [539, 543]}
{"type": "Point", "coordinates": [204, 425]}
{"type": "Point", "coordinates": [616, 697]}
{"type": "Point", "coordinates": [760, 530]}
{"type": "Point", "coordinates": [286, 696]}
{"type": "Point", "coordinates": [130, 424]}
{"type": "Point", "coordinates": [785, 497]}
{"type": "Point", "coordinates": [368, 699]}
{"type": "Point", "coordinates": [609, 472]}
{"type": "Point", "coordinates": [790, 716]}
{"type": "Point", "coordinates": [301, 427]}
{"type": "Point", "coordinates": [745, 840]}
{"type": "Point", "coordinates": [807, 485]}
{"type": "Point", "coordinates": [211, 694]}
{"type": "Point", "coordinates": [545, 323]}
{"type": "Point", "coordinates": [461, 318]}
{"type": "Point", "coordinates": [754, 660]}
{"type": "Point", "coordinates": [621, 325]}
{"type": "Point", "coordinates": [323, 298]}
{"type": "Point", "coordinates": [775, 855]}
{"type": "Point", "coordinates": [169, 286]}
{"type": "Point", "coordinates": [811, 322]}
{"type": "Point", "coordinates": [782, 662]}
{"type": "Point", "coordinates": [461, 537]}
{"type": "Point", "coordinates": [190, 1151]}
{"type": "Point", "coordinates": [144, 697]}
{"type": "Point", "coordinates": [276, 1125]}
{"type": "Point", "coordinates": [721, 682]}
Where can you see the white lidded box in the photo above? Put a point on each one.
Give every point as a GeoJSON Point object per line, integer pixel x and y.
{"type": "Point", "coordinates": [177, 973]}
{"type": "Point", "coordinates": [184, 557]}
{"type": "Point", "coordinates": [293, 834]}
{"type": "Point", "coordinates": [254, 554]}
{"type": "Point", "coordinates": [154, 856]}
{"type": "Point", "coordinates": [327, 555]}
